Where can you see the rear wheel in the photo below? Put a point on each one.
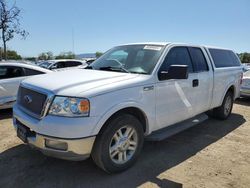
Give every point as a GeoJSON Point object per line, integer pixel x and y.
{"type": "Point", "coordinates": [117, 147]}
{"type": "Point", "coordinates": [223, 112]}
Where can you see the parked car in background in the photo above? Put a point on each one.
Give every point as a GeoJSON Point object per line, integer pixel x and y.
{"type": "Point", "coordinates": [132, 92]}
{"type": "Point", "coordinates": [62, 64]}
{"type": "Point", "coordinates": [246, 67]}
{"type": "Point", "coordinates": [245, 87]}
{"type": "Point", "coordinates": [11, 75]}
{"type": "Point", "coordinates": [26, 62]}
{"type": "Point", "coordinates": [38, 62]}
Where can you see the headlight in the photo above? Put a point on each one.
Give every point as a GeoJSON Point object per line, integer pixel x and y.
{"type": "Point", "coordinates": [70, 106]}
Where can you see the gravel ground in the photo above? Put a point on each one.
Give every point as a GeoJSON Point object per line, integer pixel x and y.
{"type": "Point", "coordinates": [211, 154]}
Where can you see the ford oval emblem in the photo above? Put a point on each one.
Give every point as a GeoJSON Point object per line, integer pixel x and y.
{"type": "Point", "coordinates": [27, 99]}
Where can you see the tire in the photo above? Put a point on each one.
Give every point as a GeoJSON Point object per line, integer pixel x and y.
{"type": "Point", "coordinates": [119, 144]}
{"type": "Point", "coordinates": [224, 111]}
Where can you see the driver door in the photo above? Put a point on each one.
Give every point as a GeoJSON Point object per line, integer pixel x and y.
{"type": "Point", "coordinates": [175, 99]}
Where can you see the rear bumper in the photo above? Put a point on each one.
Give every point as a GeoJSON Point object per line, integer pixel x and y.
{"type": "Point", "coordinates": [68, 149]}
{"type": "Point", "coordinates": [245, 92]}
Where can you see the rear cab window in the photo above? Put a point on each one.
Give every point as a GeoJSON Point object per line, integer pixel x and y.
{"type": "Point", "coordinates": [224, 58]}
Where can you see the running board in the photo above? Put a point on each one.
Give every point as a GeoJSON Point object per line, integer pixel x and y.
{"type": "Point", "coordinates": [176, 128]}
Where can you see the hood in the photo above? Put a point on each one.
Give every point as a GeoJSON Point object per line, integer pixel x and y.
{"type": "Point", "coordinates": [76, 82]}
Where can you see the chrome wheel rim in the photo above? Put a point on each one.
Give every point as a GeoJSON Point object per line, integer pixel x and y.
{"type": "Point", "coordinates": [228, 105]}
{"type": "Point", "coordinates": [123, 145]}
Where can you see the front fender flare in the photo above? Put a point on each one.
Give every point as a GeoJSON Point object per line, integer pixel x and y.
{"type": "Point", "coordinates": [115, 109]}
{"type": "Point", "coordinates": [225, 92]}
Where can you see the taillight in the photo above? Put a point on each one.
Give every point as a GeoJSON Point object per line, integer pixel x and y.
{"type": "Point", "coordinates": [241, 78]}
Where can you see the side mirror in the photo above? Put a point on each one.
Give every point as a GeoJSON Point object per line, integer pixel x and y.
{"type": "Point", "coordinates": [174, 72]}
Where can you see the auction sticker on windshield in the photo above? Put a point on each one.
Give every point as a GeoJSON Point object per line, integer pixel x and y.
{"type": "Point", "coordinates": [157, 48]}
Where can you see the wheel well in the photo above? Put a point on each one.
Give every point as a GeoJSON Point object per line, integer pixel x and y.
{"type": "Point", "coordinates": [132, 111]}
{"type": "Point", "coordinates": [231, 89]}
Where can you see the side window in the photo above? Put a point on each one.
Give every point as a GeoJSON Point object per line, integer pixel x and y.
{"type": "Point", "coordinates": [198, 59]}
{"type": "Point", "coordinates": [178, 56]}
{"type": "Point", "coordinates": [3, 72]}
{"type": "Point", "coordinates": [76, 63]}
{"type": "Point", "coordinates": [60, 65]}
{"type": "Point", "coordinates": [224, 58]}
{"type": "Point", "coordinates": [72, 63]}
{"type": "Point", "coordinates": [11, 72]}
{"type": "Point", "coordinates": [69, 64]}
{"type": "Point", "coordinates": [31, 72]}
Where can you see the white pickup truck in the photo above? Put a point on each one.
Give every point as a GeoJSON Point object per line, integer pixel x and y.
{"type": "Point", "coordinates": [132, 92]}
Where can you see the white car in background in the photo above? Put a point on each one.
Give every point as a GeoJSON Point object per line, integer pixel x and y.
{"type": "Point", "coordinates": [245, 87]}
{"type": "Point", "coordinates": [63, 64]}
{"type": "Point", "coordinates": [246, 67]}
{"type": "Point", "coordinates": [11, 75]}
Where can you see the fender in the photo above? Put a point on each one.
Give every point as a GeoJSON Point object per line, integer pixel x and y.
{"type": "Point", "coordinates": [227, 88]}
{"type": "Point", "coordinates": [118, 107]}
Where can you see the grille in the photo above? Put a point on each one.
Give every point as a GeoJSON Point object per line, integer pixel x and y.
{"type": "Point", "coordinates": [31, 101]}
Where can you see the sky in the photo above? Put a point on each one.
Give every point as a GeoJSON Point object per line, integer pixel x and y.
{"type": "Point", "coordinates": [86, 26]}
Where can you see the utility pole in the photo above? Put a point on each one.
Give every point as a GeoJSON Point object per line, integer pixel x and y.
{"type": "Point", "coordinates": [73, 41]}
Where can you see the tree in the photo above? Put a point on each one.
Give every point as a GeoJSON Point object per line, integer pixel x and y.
{"type": "Point", "coordinates": [9, 24]}
{"type": "Point", "coordinates": [65, 55]}
{"type": "Point", "coordinates": [98, 54]}
{"type": "Point", "coordinates": [11, 54]}
{"type": "Point", "coordinates": [245, 57]}
{"type": "Point", "coordinates": [46, 56]}
{"type": "Point", "coordinates": [30, 58]}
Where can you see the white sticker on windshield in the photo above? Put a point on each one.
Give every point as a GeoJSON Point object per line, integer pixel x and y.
{"type": "Point", "coordinates": [157, 48]}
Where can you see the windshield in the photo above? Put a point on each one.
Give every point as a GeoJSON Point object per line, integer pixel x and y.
{"type": "Point", "coordinates": [139, 59]}
{"type": "Point", "coordinates": [45, 64]}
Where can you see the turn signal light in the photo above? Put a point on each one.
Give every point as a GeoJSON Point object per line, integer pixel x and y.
{"type": "Point", "coordinates": [84, 106]}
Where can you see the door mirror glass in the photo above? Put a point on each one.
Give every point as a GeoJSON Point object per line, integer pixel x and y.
{"type": "Point", "coordinates": [174, 72]}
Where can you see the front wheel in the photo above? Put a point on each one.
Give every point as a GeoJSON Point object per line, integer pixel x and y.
{"type": "Point", "coordinates": [117, 147]}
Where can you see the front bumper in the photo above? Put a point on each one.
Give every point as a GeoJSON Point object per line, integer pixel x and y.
{"type": "Point", "coordinates": [245, 92]}
{"type": "Point", "coordinates": [75, 138]}
{"type": "Point", "coordinates": [77, 149]}
{"type": "Point", "coordinates": [73, 149]}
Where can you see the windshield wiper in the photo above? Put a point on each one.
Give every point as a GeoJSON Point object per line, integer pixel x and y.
{"type": "Point", "coordinates": [114, 69]}
{"type": "Point", "coordinates": [138, 72]}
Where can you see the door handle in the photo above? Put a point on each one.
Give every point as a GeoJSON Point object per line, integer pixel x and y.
{"type": "Point", "coordinates": [195, 83]}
